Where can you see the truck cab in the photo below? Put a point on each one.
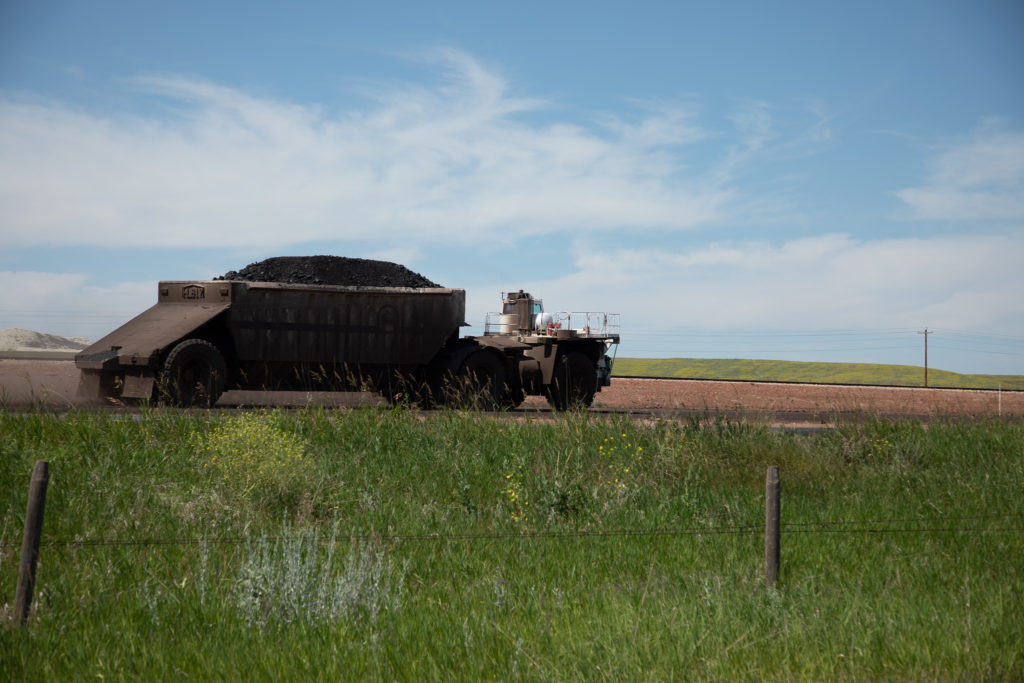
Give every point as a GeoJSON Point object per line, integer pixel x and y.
{"type": "Point", "coordinates": [566, 357]}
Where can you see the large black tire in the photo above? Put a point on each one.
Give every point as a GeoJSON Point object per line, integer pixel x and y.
{"type": "Point", "coordinates": [195, 374]}
{"type": "Point", "coordinates": [573, 382]}
{"type": "Point", "coordinates": [480, 382]}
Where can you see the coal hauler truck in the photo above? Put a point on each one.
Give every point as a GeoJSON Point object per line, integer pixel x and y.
{"type": "Point", "coordinates": [202, 338]}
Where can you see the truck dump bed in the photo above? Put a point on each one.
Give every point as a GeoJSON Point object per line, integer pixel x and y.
{"type": "Point", "coordinates": [271, 323]}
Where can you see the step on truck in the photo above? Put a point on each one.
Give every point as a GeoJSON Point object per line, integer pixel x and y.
{"type": "Point", "coordinates": [203, 338]}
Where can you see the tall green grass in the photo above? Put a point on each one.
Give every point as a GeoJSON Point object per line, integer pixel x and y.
{"type": "Point", "coordinates": [798, 371]}
{"type": "Point", "coordinates": [467, 546]}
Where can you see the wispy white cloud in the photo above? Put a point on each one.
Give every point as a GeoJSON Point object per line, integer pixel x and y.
{"type": "Point", "coordinates": [832, 281]}
{"type": "Point", "coordinates": [219, 166]}
{"type": "Point", "coordinates": [754, 121]}
{"type": "Point", "coordinates": [981, 179]}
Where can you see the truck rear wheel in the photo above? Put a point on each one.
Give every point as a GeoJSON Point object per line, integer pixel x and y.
{"type": "Point", "coordinates": [573, 383]}
{"type": "Point", "coordinates": [480, 382]}
{"type": "Point", "coordinates": [194, 374]}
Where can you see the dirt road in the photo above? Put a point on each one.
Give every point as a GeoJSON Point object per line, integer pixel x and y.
{"type": "Point", "coordinates": [53, 384]}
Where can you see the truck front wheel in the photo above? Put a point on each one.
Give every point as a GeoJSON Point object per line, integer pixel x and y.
{"type": "Point", "coordinates": [194, 374]}
{"type": "Point", "coordinates": [573, 383]}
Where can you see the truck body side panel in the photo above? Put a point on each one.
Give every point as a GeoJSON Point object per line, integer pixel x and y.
{"type": "Point", "coordinates": [332, 325]}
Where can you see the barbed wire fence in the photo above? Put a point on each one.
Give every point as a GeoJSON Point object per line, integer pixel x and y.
{"type": "Point", "coordinates": [931, 525]}
{"type": "Point", "coordinates": [773, 529]}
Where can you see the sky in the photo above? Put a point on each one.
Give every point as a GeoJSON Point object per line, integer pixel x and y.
{"type": "Point", "coordinates": [788, 180]}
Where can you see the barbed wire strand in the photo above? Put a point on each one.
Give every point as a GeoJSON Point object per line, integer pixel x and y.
{"type": "Point", "coordinates": [878, 526]}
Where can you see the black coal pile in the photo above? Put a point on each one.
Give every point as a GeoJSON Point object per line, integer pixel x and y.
{"type": "Point", "coordinates": [329, 270]}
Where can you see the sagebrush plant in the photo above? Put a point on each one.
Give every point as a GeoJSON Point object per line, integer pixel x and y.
{"type": "Point", "coordinates": [296, 578]}
{"type": "Point", "coordinates": [254, 454]}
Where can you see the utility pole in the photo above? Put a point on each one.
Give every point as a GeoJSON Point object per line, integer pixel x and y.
{"type": "Point", "coordinates": [926, 333]}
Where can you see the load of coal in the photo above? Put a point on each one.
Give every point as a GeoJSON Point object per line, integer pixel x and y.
{"type": "Point", "coordinates": [329, 270]}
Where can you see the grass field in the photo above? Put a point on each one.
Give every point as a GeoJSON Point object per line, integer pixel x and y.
{"type": "Point", "coordinates": [380, 544]}
{"type": "Point", "coordinates": [794, 371]}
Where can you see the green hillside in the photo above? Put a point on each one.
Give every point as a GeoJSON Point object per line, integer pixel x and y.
{"type": "Point", "coordinates": [796, 371]}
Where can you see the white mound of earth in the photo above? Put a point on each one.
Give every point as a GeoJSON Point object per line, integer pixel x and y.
{"type": "Point", "coordinates": [14, 339]}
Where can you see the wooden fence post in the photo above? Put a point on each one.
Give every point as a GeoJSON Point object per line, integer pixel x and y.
{"type": "Point", "coordinates": [771, 527]}
{"type": "Point", "coordinates": [30, 541]}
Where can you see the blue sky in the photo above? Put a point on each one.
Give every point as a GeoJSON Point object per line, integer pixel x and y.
{"type": "Point", "coordinates": [795, 180]}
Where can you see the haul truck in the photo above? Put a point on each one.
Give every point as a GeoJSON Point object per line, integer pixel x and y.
{"type": "Point", "coordinates": [202, 338]}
